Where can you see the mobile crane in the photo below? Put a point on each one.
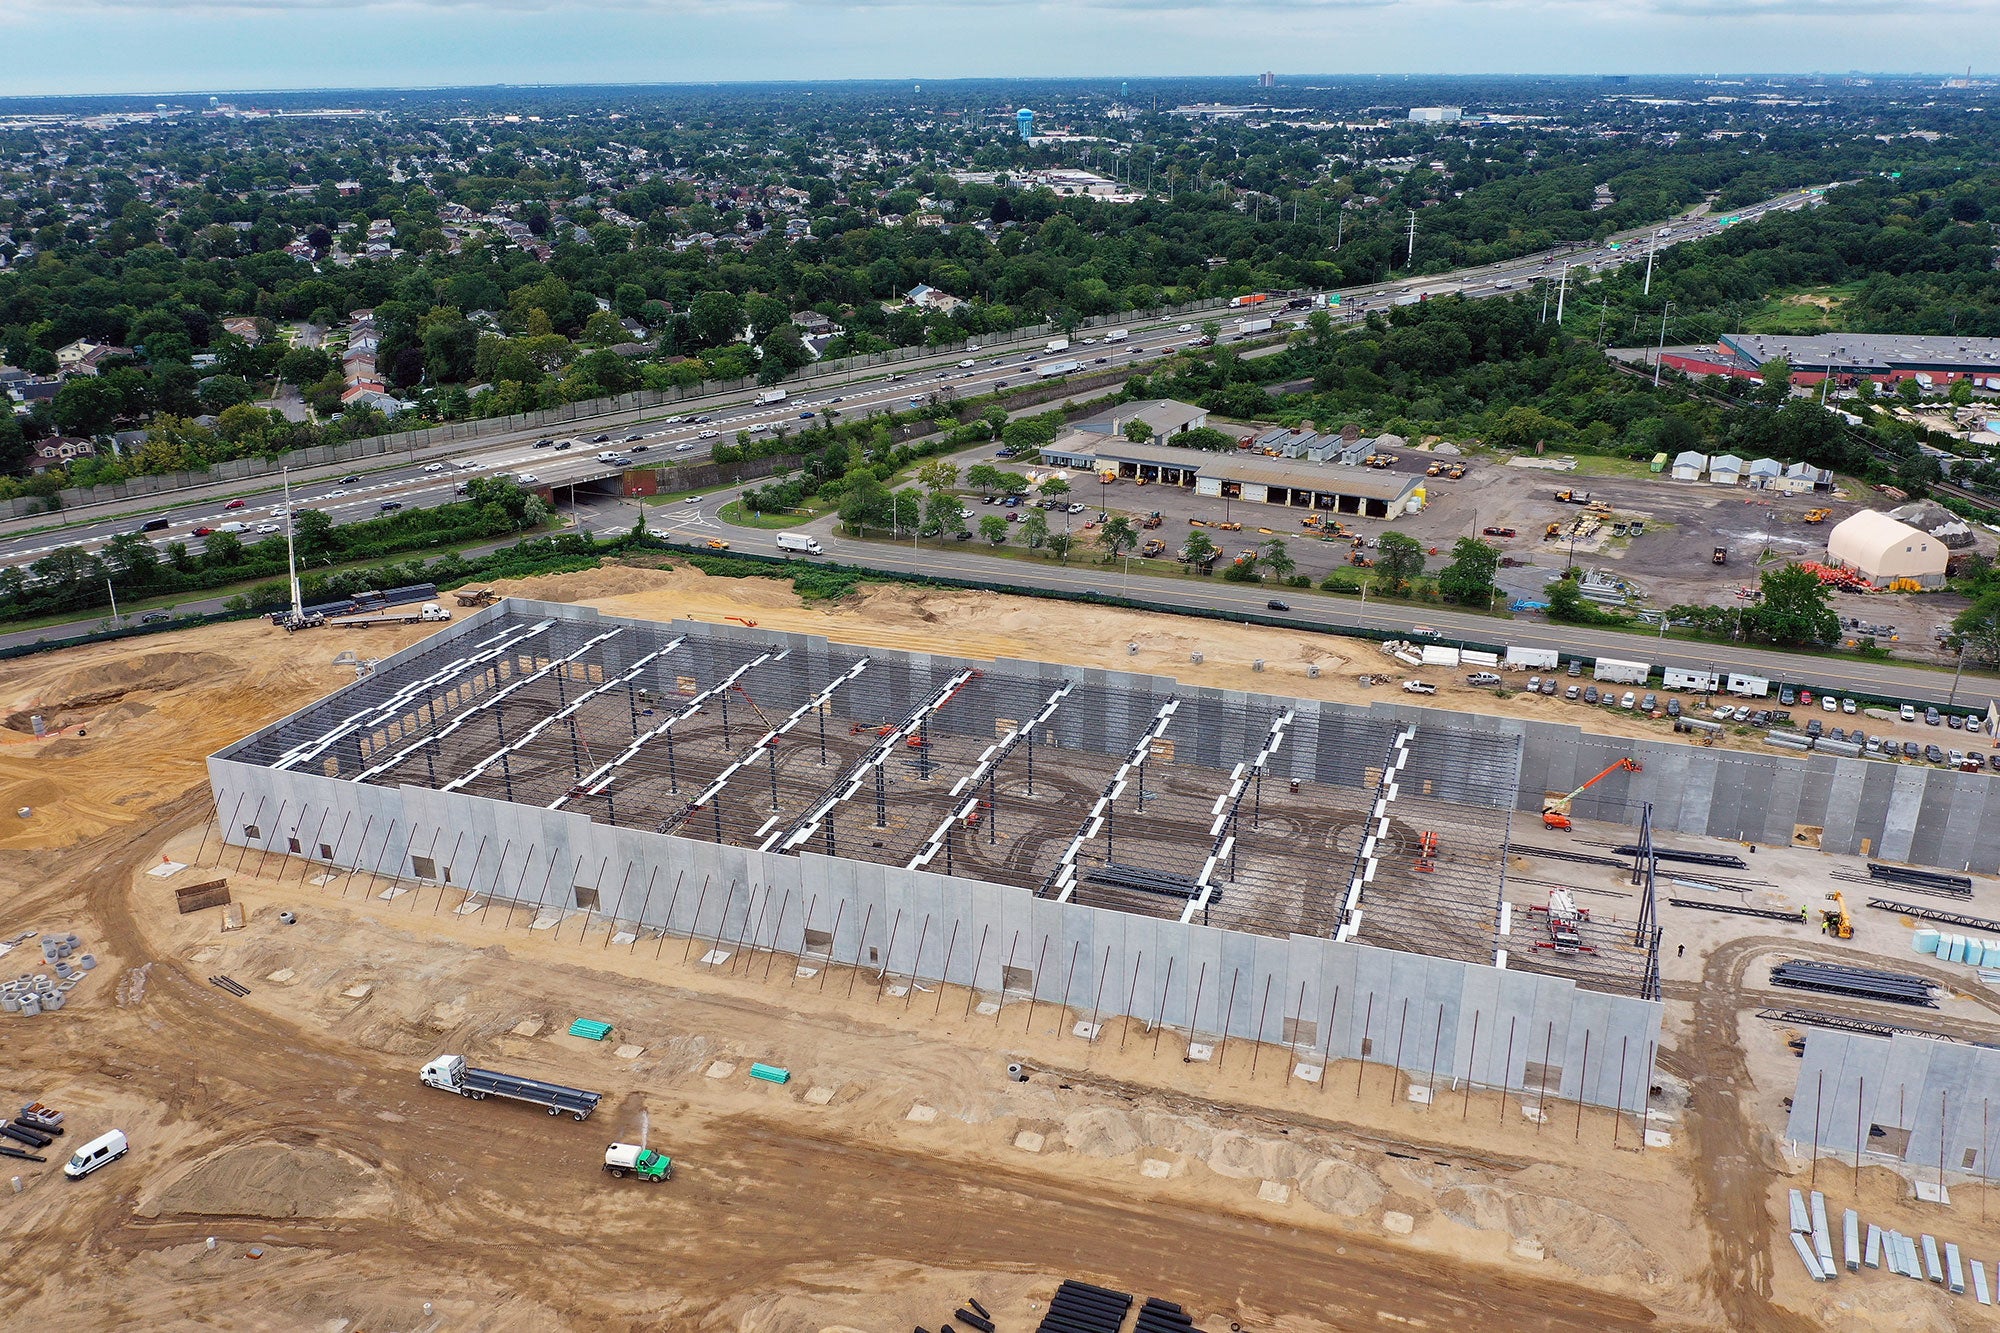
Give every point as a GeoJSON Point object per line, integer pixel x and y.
{"type": "Point", "coordinates": [1555, 814]}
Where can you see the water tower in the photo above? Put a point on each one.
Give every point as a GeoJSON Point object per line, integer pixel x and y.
{"type": "Point", "coordinates": [1026, 120]}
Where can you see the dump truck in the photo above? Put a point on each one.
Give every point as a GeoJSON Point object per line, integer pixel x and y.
{"type": "Point", "coordinates": [428, 611]}
{"type": "Point", "coordinates": [1152, 546]}
{"type": "Point", "coordinates": [475, 596]}
{"type": "Point", "coordinates": [1152, 520]}
{"type": "Point", "coordinates": [622, 1159]}
{"type": "Point", "coordinates": [1721, 556]}
{"type": "Point", "coordinates": [1573, 497]}
{"type": "Point", "coordinates": [452, 1074]}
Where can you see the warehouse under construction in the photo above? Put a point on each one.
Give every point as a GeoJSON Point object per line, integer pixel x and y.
{"type": "Point", "coordinates": [1219, 862]}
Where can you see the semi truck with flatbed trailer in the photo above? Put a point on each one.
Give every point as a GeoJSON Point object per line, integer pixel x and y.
{"type": "Point", "coordinates": [452, 1074]}
{"type": "Point", "coordinates": [428, 611]}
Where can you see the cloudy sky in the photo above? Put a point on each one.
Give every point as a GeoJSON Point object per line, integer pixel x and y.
{"type": "Point", "coordinates": [64, 46]}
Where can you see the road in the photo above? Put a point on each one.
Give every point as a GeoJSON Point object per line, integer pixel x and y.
{"type": "Point", "coordinates": [427, 477]}
{"type": "Point", "coordinates": [699, 521]}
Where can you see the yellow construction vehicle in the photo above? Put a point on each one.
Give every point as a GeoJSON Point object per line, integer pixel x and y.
{"type": "Point", "coordinates": [1434, 470]}
{"type": "Point", "coordinates": [1456, 472]}
{"type": "Point", "coordinates": [1555, 814]}
{"type": "Point", "coordinates": [1835, 920]}
{"type": "Point", "coordinates": [1817, 515]}
{"type": "Point", "coordinates": [1553, 531]}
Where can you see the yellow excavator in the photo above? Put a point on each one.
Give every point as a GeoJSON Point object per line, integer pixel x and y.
{"type": "Point", "coordinates": [1555, 813]}
{"type": "Point", "coordinates": [1836, 919]}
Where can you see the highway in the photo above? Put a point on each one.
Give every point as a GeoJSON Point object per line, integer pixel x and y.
{"type": "Point", "coordinates": [427, 477]}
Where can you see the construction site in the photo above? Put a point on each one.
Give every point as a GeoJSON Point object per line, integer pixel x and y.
{"type": "Point", "coordinates": [988, 930]}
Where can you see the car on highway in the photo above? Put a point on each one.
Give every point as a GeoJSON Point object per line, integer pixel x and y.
{"type": "Point", "coordinates": [631, 439]}
{"type": "Point", "coordinates": [717, 544]}
{"type": "Point", "coordinates": [234, 504]}
{"type": "Point", "coordinates": [266, 529]}
{"type": "Point", "coordinates": [334, 494]}
{"type": "Point", "coordinates": [1275, 605]}
{"type": "Point", "coordinates": [543, 444]}
{"type": "Point", "coordinates": [204, 532]}
{"type": "Point", "coordinates": [707, 434]}
{"type": "Point", "coordinates": [1100, 361]}
{"type": "Point", "coordinates": [467, 464]}
{"type": "Point", "coordinates": [805, 416]}
{"type": "Point", "coordinates": [156, 618]}
{"type": "Point", "coordinates": [434, 467]}
{"type": "Point", "coordinates": [350, 481]}
{"type": "Point", "coordinates": [525, 478]}
{"type": "Point", "coordinates": [964, 364]}
{"type": "Point", "coordinates": [565, 444]}
{"type": "Point", "coordinates": [640, 448]}
{"type": "Point", "coordinates": [389, 506]}
{"type": "Point", "coordinates": [682, 448]}
{"type": "Point", "coordinates": [1185, 328]}
{"type": "Point", "coordinates": [601, 439]}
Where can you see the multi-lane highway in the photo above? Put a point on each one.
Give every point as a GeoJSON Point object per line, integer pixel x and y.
{"type": "Point", "coordinates": [429, 476]}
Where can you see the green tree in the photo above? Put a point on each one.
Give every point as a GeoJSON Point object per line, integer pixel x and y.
{"type": "Point", "coordinates": [304, 365]}
{"type": "Point", "coordinates": [1978, 627]}
{"type": "Point", "coordinates": [1796, 608]}
{"type": "Point", "coordinates": [993, 528]}
{"type": "Point", "coordinates": [87, 405]}
{"type": "Point", "coordinates": [942, 511]}
{"type": "Point", "coordinates": [1117, 536]}
{"type": "Point", "coordinates": [1399, 563]}
{"type": "Point", "coordinates": [1198, 549]}
{"type": "Point", "coordinates": [1277, 557]}
{"type": "Point", "coordinates": [1138, 432]}
{"type": "Point", "coordinates": [1035, 528]}
{"type": "Point", "coordinates": [983, 477]}
{"type": "Point", "coordinates": [1777, 385]}
{"type": "Point", "coordinates": [938, 475]}
{"type": "Point", "coordinates": [1522, 428]}
{"type": "Point", "coordinates": [1060, 544]}
{"type": "Point", "coordinates": [313, 535]}
{"type": "Point", "coordinates": [866, 504]}
{"type": "Point", "coordinates": [1910, 391]}
{"type": "Point", "coordinates": [1054, 488]}
{"type": "Point", "coordinates": [222, 548]}
{"type": "Point", "coordinates": [715, 318]}
{"type": "Point", "coordinates": [1468, 579]}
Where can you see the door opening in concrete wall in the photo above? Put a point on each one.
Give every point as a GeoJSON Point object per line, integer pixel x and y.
{"type": "Point", "coordinates": [252, 832]}
{"type": "Point", "coordinates": [444, 873]}
{"type": "Point", "coordinates": [820, 942]}
{"type": "Point", "coordinates": [294, 845]}
{"type": "Point", "coordinates": [1020, 979]}
{"type": "Point", "coordinates": [423, 867]}
{"type": "Point", "coordinates": [326, 851]}
{"type": "Point", "coordinates": [1971, 1156]}
{"type": "Point", "coordinates": [873, 956]}
{"type": "Point", "coordinates": [585, 897]}
{"type": "Point", "coordinates": [1367, 1047]}
{"type": "Point", "coordinates": [1301, 1032]}
{"type": "Point", "coordinates": [1539, 1077]}
{"type": "Point", "coordinates": [1889, 1140]}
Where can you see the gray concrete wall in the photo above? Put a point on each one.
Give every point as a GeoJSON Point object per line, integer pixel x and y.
{"type": "Point", "coordinates": [1433, 1017]}
{"type": "Point", "coordinates": [1942, 1095]}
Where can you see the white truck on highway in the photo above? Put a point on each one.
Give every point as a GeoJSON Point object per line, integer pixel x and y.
{"type": "Point", "coordinates": [452, 1074]}
{"type": "Point", "coordinates": [428, 611]}
{"type": "Point", "coordinates": [1117, 335]}
{"type": "Point", "coordinates": [1249, 326]}
{"type": "Point", "coordinates": [1055, 369]}
{"type": "Point", "coordinates": [771, 396]}
{"type": "Point", "coordinates": [803, 543]}
{"type": "Point", "coordinates": [1057, 345]}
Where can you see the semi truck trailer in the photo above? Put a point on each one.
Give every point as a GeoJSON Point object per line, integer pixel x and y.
{"type": "Point", "coordinates": [452, 1074]}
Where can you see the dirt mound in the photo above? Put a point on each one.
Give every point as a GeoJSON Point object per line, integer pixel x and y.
{"type": "Point", "coordinates": [1249, 1157]}
{"type": "Point", "coordinates": [272, 1180]}
{"type": "Point", "coordinates": [1571, 1234]}
{"type": "Point", "coordinates": [1101, 1132]}
{"type": "Point", "coordinates": [1341, 1187]}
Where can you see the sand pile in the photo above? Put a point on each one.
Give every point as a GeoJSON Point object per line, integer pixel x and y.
{"type": "Point", "coordinates": [272, 1180]}
{"type": "Point", "coordinates": [1587, 1241]}
{"type": "Point", "coordinates": [1342, 1188]}
{"type": "Point", "coordinates": [1101, 1132]}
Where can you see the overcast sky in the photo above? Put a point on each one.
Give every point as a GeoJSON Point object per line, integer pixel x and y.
{"type": "Point", "coordinates": [79, 46]}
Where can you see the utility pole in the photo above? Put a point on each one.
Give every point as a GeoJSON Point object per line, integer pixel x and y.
{"type": "Point", "coordinates": [1660, 354]}
{"type": "Point", "coordinates": [1562, 290]}
{"type": "Point", "coordinates": [291, 558]}
{"type": "Point", "coordinates": [1602, 311]}
{"type": "Point", "coordinates": [1410, 259]}
{"type": "Point", "coordinates": [1650, 248]}
{"type": "Point", "coordinates": [114, 609]}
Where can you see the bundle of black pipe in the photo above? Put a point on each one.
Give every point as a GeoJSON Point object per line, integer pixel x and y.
{"type": "Point", "coordinates": [984, 1325]}
{"type": "Point", "coordinates": [1158, 1316]}
{"type": "Point", "coordinates": [973, 1301]}
{"type": "Point", "coordinates": [1935, 879]}
{"type": "Point", "coordinates": [34, 1138]}
{"type": "Point", "coordinates": [20, 1156]}
{"type": "Point", "coordinates": [1862, 982]}
{"type": "Point", "coordinates": [1082, 1307]}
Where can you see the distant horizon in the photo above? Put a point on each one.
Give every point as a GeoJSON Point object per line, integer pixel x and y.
{"type": "Point", "coordinates": [1301, 82]}
{"type": "Point", "coordinates": [113, 48]}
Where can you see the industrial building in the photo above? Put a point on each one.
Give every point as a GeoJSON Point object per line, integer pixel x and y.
{"type": "Point", "coordinates": [1934, 361]}
{"type": "Point", "coordinates": [1436, 115]}
{"type": "Point", "coordinates": [1220, 862]}
{"type": "Point", "coordinates": [1884, 551]}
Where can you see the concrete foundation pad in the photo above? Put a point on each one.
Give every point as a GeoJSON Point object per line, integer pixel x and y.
{"type": "Point", "coordinates": [624, 937]}
{"type": "Point", "coordinates": [1525, 1248]}
{"type": "Point", "coordinates": [921, 1114]}
{"type": "Point", "coordinates": [324, 878]}
{"type": "Point", "coordinates": [721, 1069]}
{"type": "Point", "coordinates": [1029, 1141]}
{"type": "Point", "coordinates": [167, 869]}
{"type": "Point", "coordinates": [716, 957]}
{"type": "Point", "coordinates": [281, 976]}
{"type": "Point", "coordinates": [547, 920]}
{"type": "Point", "coordinates": [629, 1052]}
{"type": "Point", "coordinates": [1931, 1192]}
{"type": "Point", "coordinates": [468, 907]}
{"type": "Point", "coordinates": [896, 992]}
{"type": "Point", "coordinates": [528, 1027]}
{"type": "Point", "coordinates": [803, 973]}
{"type": "Point", "coordinates": [1419, 1094]}
{"type": "Point", "coordinates": [232, 917]}
{"type": "Point", "coordinates": [1659, 1138]}
{"type": "Point", "coordinates": [1088, 1031]}
{"type": "Point", "coordinates": [1308, 1073]}
{"type": "Point", "coordinates": [360, 992]}
{"type": "Point", "coordinates": [986, 1008]}
{"type": "Point", "coordinates": [820, 1096]}
{"type": "Point", "coordinates": [1398, 1224]}
{"type": "Point", "coordinates": [1155, 1169]}
{"type": "Point", "coordinates": [1274, 1191]}
{"type": "Point", "coordinates": [1535, 1114]}
{"type": "Point", "coordinates": [393, 892]}
{"type": "Point", "coordinates": [1198, 1052]}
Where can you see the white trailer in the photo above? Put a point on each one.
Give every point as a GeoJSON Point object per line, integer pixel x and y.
{"type": "Point", "coordinates": [1057, 369]}
{"type": "Point", "coordinates": [1057, 345]}
{"type": "Point", "coordinates": [1622, 673]}
{"type": "Point", "coordinates": [1748, 687]}
{"type": "Point", "coordinates": [771, 396]}
{"type": "Point", "coordinates": [1680, 678]}
{"type": "Point", "coordinates": [801, 542]}
{"type": "Point", "coordinates": [1249, 326]}
{"type": "Point", "coordinates": [1117, 335]}
{"type": "Point", "coordinates": [1531, 659]}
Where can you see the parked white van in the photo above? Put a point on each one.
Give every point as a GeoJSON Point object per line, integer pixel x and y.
{"type": "Point", "coordinates": [100, 1151]}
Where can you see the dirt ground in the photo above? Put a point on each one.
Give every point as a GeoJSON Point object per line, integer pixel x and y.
{"type": "Point", "coordinates": [898, 1172]}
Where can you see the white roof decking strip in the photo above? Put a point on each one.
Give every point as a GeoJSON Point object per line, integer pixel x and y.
{"type": "Point", "coordinates": [375, 714]}
{"type": "Point", "coordinates": [1225, 815]}
{"type": "Point", "coordinates": [1063, 877]}
{"type": "Point", "coordinates": [885, 746]}
{"type": "Point", "coordinates": [561, 715]}
{"type": "Point", "coordinates": [1365, 860]}
{"type": "Point", "coordinates": [492, 700]}
{"type": "Point", "coordinates": [994, 756]}
{"type": "Point", "coordinates": [599, 781]}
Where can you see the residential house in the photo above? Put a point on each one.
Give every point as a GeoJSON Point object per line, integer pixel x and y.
{"type": "Point", "coordinates": [60, 449]}
{"type": "Point", "coordinates": [926, 297]}
{"type": "Point", "coordinates": [243, 327]}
